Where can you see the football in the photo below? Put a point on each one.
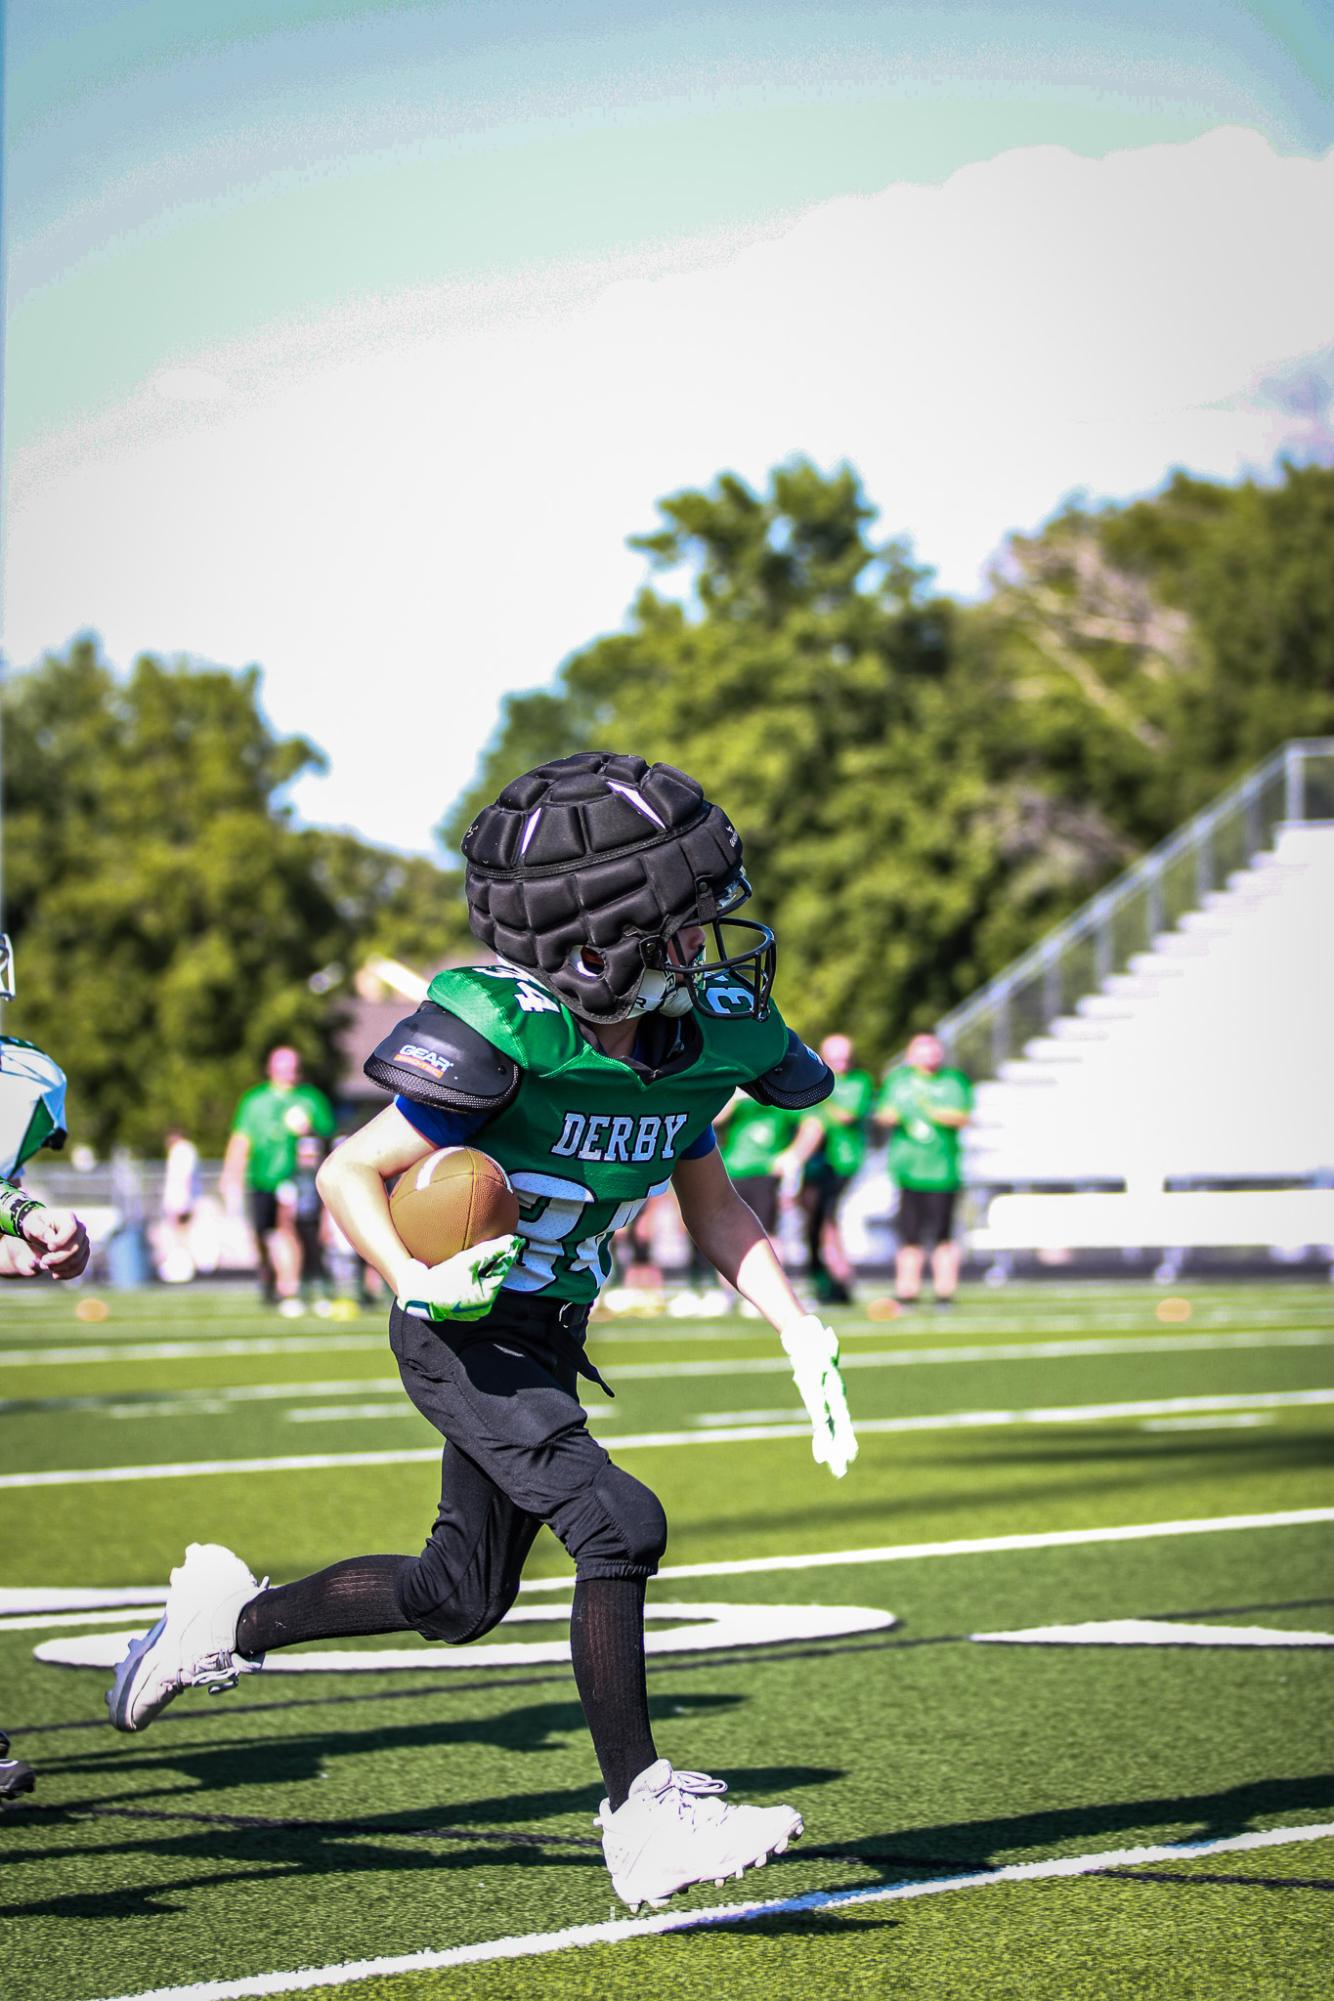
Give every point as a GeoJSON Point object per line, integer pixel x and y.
{"type": "Point", "coordinates": [457, 1196]}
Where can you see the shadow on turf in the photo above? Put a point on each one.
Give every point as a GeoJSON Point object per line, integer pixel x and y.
{"type": "Point", "coordinates": [1125, 1455]}
{"type": "Point", "coordinates": [266, 1761]}
{"type": "Point", "coordinates": [252, 1847]}
{"type": "Point", "coordinates": [313, 1848]}
{"type": "Point", "coordinates": [1286, 1445]}
{"type": "Point", "coordinates": [1189, 1816]}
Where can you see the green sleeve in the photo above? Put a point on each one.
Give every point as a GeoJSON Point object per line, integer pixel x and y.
{"type": "Point", "coordinates": [321, 1114]}
{"type": "Point", "coordinates": [960, 1090]}
{"type": "Point", "coordinates": [243, 1121]}
{"type": "Point", "coordinates": [888, 1100]}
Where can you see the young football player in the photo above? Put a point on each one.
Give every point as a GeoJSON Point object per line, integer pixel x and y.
{"type": "Point", "coordinates": [34, 1240]}
{"type": "Point", "coordinates": [589, 1059]}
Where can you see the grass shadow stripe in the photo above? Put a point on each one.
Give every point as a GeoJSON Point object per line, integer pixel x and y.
{"type": "Point", "coordinates": [267, 1823]}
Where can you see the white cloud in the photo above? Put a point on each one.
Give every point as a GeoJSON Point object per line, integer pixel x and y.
{"type": "Point", "coordinates": [403, 515]}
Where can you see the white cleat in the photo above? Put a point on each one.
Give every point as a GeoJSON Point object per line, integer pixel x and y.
{"type": "Point", "coordinates": [676, 1830]}
{"type": "Point", "coordinates": [193, 1643]}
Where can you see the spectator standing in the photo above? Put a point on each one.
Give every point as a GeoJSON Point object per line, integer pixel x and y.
{"type": "Point", "coordinates": [261, 1161]}
{"type": "Point", "coordinates": [831, 1146]}
{"type": "Point", "coordinates": [755, 1141]}
{"type": "Point", "coordinates": [924, 1105]}
{"type": "Point", "coordinates": [308, 1213]}
{"type": "Point", "coordinates": [180, 1192]}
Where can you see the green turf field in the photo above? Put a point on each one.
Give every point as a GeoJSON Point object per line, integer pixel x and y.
{"type": "Point", "coordinates": [977, 1811]}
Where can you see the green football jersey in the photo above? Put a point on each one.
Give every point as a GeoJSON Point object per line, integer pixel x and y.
{"type": "Point", "coordinates": [843, 1148]}
{"type": "Point", "coordinates": [754, 1137]}
{"type": "Point", "coordinates": [587, 1138]}
{"type": "Point", "coordinates": [921, 1153]}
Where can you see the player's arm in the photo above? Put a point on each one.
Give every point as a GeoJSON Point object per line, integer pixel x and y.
{"type": "Point", "coordinates": [728, 1233]}
{"type": "Point", "coordinates": [352, 1183]}
{"type": "Point", "coordinates": [946, 1115]}
{"type": "Point", "coordinates": [437, 1065]}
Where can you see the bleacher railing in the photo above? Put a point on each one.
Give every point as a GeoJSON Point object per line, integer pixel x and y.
{"type": "Point", "coordinates": [1296, 784]}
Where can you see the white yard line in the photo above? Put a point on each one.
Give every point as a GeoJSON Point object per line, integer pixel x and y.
{"type": "Point", "coordinates": [184, 1401]}
{"type": "Point", "coordinates": [44, 1623]}
{"type": "Point", "coordinates": [990, 1545]}
{"type": "Point", "coordinates": [534, 1944]}
{"type": "Point", "coordinates": [672, 1366]}
{"type": "Point", "coordinates": [189, 1351]}
{"type": "Point", "coordinates": [1025, 1351]}
{"type": "Point", "coordinates": [966, 1420]}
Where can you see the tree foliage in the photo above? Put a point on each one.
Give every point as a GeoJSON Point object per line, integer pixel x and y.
{"type": "Point", "coordinates": [169, 920]}
{"type": "Point", "coordinates": [923, 787]}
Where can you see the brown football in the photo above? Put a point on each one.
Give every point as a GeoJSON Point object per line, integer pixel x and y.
{"type": "Point", "coordinates": [457, 1196]}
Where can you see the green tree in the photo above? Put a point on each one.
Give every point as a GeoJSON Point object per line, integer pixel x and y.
{"type": "Point", "coordinates": [170, 922]}
{"type": "Point", "coordinates": [846, 714]}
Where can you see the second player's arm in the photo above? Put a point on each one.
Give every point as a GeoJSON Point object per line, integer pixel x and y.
{"type": "Point", "coordinates": [53, 1241]}
{"type": "Point", "coordinates": [729, 1234]}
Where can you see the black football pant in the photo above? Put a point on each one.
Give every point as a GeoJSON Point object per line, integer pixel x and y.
{"type": "Point", "coordinates": [518, 1453]}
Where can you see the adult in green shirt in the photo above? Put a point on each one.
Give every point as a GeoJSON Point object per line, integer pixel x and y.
{"type": "Point", "coordinates": [924, 1105]}
{"type": "Point", "coordinates": [261, 1160]}
{"type": "Point", "coordinates": [830, 1148]}
{"type": "Point", "coordinates": [755, 1141]}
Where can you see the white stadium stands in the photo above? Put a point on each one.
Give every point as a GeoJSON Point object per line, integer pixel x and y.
{"type": "Point", "coordinates": [1188, 1100]}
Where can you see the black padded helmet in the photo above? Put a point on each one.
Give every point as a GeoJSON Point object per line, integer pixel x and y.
{"type": "Point", "coordinates": [584, 869]}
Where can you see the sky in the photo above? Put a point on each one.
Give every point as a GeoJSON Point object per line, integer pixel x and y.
{"type": "Point", "coordinates": [354, 337]}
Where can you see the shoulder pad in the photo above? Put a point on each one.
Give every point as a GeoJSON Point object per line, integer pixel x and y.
{"type": "Point", "coordinates": [436, 1059]}
{"type": "Point", "coordinates": [801, 1079]}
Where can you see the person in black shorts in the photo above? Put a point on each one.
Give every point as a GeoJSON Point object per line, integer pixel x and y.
{"type": "Point", "coordinates": [924, 1105]}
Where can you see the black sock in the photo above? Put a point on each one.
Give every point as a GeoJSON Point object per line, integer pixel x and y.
{"type": "Point", "coordinates": [353, 1597]}
{"type": "Point", "coordinates": [607, 1649]}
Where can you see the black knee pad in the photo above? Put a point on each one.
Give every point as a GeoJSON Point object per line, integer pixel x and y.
{"type": "Point", "coordinates": [614, 1528]}
{"type": "Point", "coordinates": [440, 1607]}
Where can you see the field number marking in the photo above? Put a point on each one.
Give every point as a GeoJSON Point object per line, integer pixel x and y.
{"type": "Point", "coordinates": [706, 1628]}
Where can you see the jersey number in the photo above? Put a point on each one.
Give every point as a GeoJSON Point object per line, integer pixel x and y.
{"type": "Point", "coordinates": [551, 1211]}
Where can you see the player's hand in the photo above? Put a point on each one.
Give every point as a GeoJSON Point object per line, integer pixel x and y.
{"type": "Point", "coordinates": [463, 1287]}
{"type": "Point", "coordinates": [812, 1349]}
{"type": "Point", "coordinates": [59, 1240]}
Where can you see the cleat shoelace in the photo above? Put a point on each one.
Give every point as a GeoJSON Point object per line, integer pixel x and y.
{"type": "Point", "coordinates": [215, 1672]}
{"type": "Point", "coordinates": [689, 1787]}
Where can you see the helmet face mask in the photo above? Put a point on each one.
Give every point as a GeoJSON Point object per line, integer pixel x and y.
{"type": "Point", "coordinates": [586, 870]}
{"type": "Point", "coordinates": [736, 977]}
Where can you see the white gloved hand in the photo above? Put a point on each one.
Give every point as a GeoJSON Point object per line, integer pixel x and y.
{"type": "Point", "coordinates": [463, 1287]}
{"type": "Point", "coordinates": [812, 1349]}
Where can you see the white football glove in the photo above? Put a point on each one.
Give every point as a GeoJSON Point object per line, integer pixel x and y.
{"type": "Point", "coordinates": [463, 1287]}
{"type": "Point", "coordinates": [812, 1349]}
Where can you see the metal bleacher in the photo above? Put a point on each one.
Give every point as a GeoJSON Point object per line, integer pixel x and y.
{"type": "Point", "coordinates": [1158, 1075]}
